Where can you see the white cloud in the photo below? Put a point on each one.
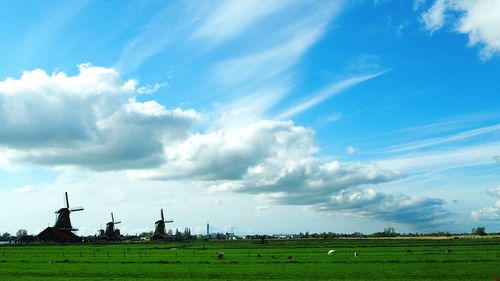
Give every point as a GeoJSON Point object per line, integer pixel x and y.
{"type": "Point", "coordinates": [91, 119]}
{"type": "Point", "coordinates": [417, 4]}
{"type": "Point", "coordinates": [397, 207]}
{"type": "Point", "coordinates": [276, 59]}
{"type": "Point", "coordinates": [434, 17]}
{"type": "Point", "coordinates": [460, 136]}
{"type": "Point", "coordinates": [276, 161]}
{"type": "Point", "coordinates": [326, 93]}
{"type": "Point", "coordinates": [466, 156]}
{"type": "Point", "coordinates": [478, 19]}
{"type": "Point", "coordinates": [255, 82]}
{"type": "Point", "coordinates": [351, 149]}
{"type": "Point", "coordinates": [230, 18]}
{"type": "Point", "coordinates": [494, 191]}
{"type": "Point", "coordinates": [331, 118]}
{"type": "Point", "coordinates": [24, 189]}
{"type": "Point", "coordinates": [229, 154]}
{"type": "Point", "coordinates": [490, 213]}
{"type": "Point", "coordinates": [151, 89]}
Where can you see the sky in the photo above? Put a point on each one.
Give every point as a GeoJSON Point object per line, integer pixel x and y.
{"type": "Point", "coordinates": [276, 116]}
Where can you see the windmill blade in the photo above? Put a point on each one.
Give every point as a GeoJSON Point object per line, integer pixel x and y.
{"type": "Point", "coordinates": [75, 209]}
{"type": "Point", "coordinates": [162, 218]}
{"type": "Point", "coordinates": [168, 221]}
{"type": "Point", "coordinates": [118, 222]}
{"type": "Point", "coordinates": [67, 201]}
{"type": "Point", "coordinates": [112, 218]}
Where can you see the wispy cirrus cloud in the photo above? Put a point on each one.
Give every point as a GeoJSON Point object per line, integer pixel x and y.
{"type": "Point", "coordinates": [48, 28]}
{"type": "Point", "coordinates": [460, 136]}
{"type": "Point", "coordinates": [464, 156]}
{"type": "Point", "coordinates": [324, 94]}
{"type": "Point", "coordinates": [279, 56]}
{"type": "Point", "coordinates": [231, 18]}
{"type": "Point", "coordinates": [254, 82]}
{"type": "Point", "coordinates": [157, 34]}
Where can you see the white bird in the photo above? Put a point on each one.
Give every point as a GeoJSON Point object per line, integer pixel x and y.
{"type": "Point", "coordinates": [331, 252]}
{"type": "Point", "coordinates": [356, 254]}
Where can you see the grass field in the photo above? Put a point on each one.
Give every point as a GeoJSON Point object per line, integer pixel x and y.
{"type": "Point", "coordinates": [398, 259]}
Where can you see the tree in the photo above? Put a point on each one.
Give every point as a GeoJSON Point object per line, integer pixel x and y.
{"type": "Point", "coordinates": [5, 235]}
{"type": "Point", "coordinates": [480, 230]}
{"type": "Point", "coordinates": [21, 233]}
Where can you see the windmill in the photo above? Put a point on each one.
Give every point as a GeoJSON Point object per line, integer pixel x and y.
{"type": "Point", "coordinates": [63, 221]}
{"type": "Point", "coordinates": [160, 232]}
{"type": "Point", "coordinates": [62, 231]}
{"type": "Point", "coordinates": [110, 231]}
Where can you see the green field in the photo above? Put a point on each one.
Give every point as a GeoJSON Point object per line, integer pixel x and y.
{"type": "Point", "coordinates": [398, 259]}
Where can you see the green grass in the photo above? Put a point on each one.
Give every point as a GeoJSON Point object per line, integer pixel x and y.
{"type": "Point", "coordinates": [400, 259]}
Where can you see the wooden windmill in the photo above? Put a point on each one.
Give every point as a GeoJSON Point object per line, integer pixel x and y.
{"type": "Point", "coordinates": [62, 231]}
{"type": "Point", "coordinates": [63, 221]}
{"type": "Point", "coordinates": [111, 232]}
{"type": "Point", "coordinates": [160, 232]}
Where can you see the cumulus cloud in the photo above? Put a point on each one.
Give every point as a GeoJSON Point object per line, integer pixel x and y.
{"type": "Point", "coordinates": [91, 119]}
{"type": "Point", "coordinates": [276, 160]}
{"type": "Point", "coordinates": [151, 89]}
{"type": "Point", "coordinates": [394, 207]}
{"type": "Point", "coordinates": [494, 191]}
{"type": "Point", "coordinates": [434, 17]}
{"type": "Point", "coordinates": [478, 19]}
{"type": "Point", "coordinates": [490, 213]}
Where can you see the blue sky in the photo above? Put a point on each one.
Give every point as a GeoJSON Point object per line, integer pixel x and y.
{"type": "Point", "coordinates": [259, 116]}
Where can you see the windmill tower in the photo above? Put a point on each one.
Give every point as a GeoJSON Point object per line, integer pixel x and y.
{"type": "Point", "coordinates": [160, 232]}
{"type": "Point", "coordinates": [62, 231]}
{"type": "Point", "coordinates": [63, 221]}
{"type": "Point", "coordinates": [111, 232]}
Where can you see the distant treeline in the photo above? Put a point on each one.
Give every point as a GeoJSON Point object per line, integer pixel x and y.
{"type": "Point", "coordinates": [186, 235]}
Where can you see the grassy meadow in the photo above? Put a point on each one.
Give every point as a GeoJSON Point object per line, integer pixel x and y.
{"type": "Point", "coordinates": [379, 259]}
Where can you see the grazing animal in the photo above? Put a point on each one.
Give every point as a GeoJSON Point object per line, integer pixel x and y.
{"type": "Point", "coordinates": [356, 254]}
{"type": "Point", "coordinates": [220, 255]}
{"type": "Point", "coordinates": [331, 252]}
{"type": "Point", "coordinates": [259, 255]}
{"type": "Point", "coordinates": [290, 257]}
{"type": "Point", "coordinates": [409, 251]}
{"type": "Point", "coordinates": [448, 250]}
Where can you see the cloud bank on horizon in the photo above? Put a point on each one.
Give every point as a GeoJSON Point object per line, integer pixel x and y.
{"type": "Point", "coordinates": [295, 103]}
